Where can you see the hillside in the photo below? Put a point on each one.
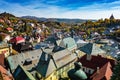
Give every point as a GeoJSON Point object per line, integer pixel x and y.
{"type": "Point", "coordinates": [57, 19]}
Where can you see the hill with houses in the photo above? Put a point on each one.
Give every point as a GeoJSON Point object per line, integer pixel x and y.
{"type": "Point", "coordinates": [53, 50]}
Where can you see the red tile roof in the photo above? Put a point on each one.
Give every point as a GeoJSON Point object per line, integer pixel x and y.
{"type": "Point", "coordinates": [104, 73]}
{"type": "Point", "coordinates": [9, 28]}
{"type": "Point", "coordinates": [17, 39]}
{"type": "Point", "coordinates": [1, 20]}
{"type": "Point", "coordinates": [4, 74]}
{"type": "Point", "coordinates": [96, 61]}
{"type": "Point", "coordinates": [2, 57]}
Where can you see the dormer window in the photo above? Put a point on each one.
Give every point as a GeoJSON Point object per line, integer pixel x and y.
{"type": "Point", "coordinates": [27, 61]}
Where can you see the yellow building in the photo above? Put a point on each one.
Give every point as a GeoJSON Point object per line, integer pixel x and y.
{"type": "Point", "coordinates": [5, 49]}
{"type": "Point", "coordinates": [44, 65]}
{"type": "Point", "coordinates": [56, 65]}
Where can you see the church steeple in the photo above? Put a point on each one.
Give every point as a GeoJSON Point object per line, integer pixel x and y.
{"type": "Point", "coordinates": [112, 17]}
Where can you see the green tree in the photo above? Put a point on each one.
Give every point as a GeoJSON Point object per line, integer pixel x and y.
{"type": "Point", "coordinates": [116, 70]}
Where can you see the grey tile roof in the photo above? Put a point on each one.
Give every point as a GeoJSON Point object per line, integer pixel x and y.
{"type": "Point", "coordinates": [63, 57]}
{"type": "Point", "coordinates": [53, 61]}
{"type": "Point", "coordinates": [91, 48]}
{"type": "Point", "coordinates": [21, 73]}
{"type": "Point", "coordinates": [68, 43]}
{"type": "Point", "coordinates": [44, 62]}
{"type": "Point", "coordinates": [20, 59]}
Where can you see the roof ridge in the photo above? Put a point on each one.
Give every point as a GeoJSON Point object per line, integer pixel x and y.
{"type": "Point", "coordinates": [105, 67]}
{"type": "Point", "coordinates": [108, 66]}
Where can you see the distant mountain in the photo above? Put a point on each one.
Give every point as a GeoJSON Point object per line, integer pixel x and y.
{"type": "Point", "coordinates": [56, 19]}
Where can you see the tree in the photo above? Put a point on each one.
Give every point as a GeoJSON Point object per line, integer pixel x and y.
{"type": "Point", "coordinates": [116, 70]}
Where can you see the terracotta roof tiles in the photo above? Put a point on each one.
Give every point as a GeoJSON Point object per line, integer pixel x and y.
{"type": "Point", "coordinates": [104, 73]}
{"type": "Point", "coordinates": [96, 61]}
{"type": "Point", "coordinates": [4, 74]}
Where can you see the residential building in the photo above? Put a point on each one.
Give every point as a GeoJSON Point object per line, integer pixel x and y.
{"type": "Point", "coordinates": [5, 49]}
{"type": "Point", "coordinates": [21, 47]}
{"type": "Point", "coordinates": [17, 40]}
{"type": "Point", "coordinates": [22, 74]}
{"type": "Point", "coordinates": [68, 43]}
{"type": "Point", "coordinates": [4, 74]}
{"type": "Point", "coordinates": [79, 41]}
{"type": "Point", "coordinates": [91, 64]}
{"type": "Point", "coordinates": [4, 37]}
{"type": "Point", "coordinates": [9, 29]}
{"type": "Point", "coordinates": [92, 49]}
{"type": "Point", "coordinates": [44, 64]}
{"type": "Point", "coordinates": [56, 65]}
{"type": "Point", "coordinates": [2, 60]}
{"type": "Point", "coordinates": [104, 73]}
{"type": "Point", "coordinates": [21, 59]}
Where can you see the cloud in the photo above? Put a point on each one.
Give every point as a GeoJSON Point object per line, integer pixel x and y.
{"type": "Point", "coordinates": [50, 9]}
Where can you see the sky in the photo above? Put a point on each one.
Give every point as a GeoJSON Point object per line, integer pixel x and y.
{"type": "Point", "coordinates": [80, 9]}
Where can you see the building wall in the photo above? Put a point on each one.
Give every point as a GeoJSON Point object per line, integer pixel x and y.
{"type": "Point", "coordinates": [88, 70]}
{"type": "Point", "coordinates": [5, 51]}
{"type": "Point", "coordinates": [62, 72]}
{"type": "Point", "coordinates": [80, 53]}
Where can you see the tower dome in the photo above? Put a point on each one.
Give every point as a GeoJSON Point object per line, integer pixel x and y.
{"type": "Point", "coordinates": [77, 73]}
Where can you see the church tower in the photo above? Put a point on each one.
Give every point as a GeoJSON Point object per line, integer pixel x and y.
{"type": "Point", "coordinates": [112, 17]}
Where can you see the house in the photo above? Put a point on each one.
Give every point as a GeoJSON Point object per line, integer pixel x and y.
{"type": "Point", "coordinates": [112, 50]}
{"type": "Point", "coordinates": [44, 64]}
{"type": "Point", "coordinates": [55, 65]}
{"type": "Point", "coordinates": [17, 40]}
{"type": "Point", "coordinates": [102, 41]}
{"type": "Point", "coordinates": [43, 26]}
{"type": "Point", "coordinates": [23, 58]}
{"type": "Point", "coordinates": [4, 37]}
{"type": "Point", "coordinates": [91, 64]}
{"type": "Point", "coordinates": [44, 45]}
{"type": "Point", "coordinates": [51, 39]}
{"type": "Point", "coordinates": [5, 49]}
{"type": "Point", "coordinates": [68, 43]}
{"type": "Point", "coordinates": [106, 32]}
{"type": "Point", "coordinates": [20, 74]}
{"type": "Point", "coordinates": [25, 46]}
{"type": "Point", "coordinates": [104, 73]}
{"type": "Point", "coordinates": [4, 74]}
{"type": "Point", "coordinates": [1, 25]}
{"type": "Point", "coordinates": [2, 60]}
{"type": "Point", "coordinates": [92, 49]}
{"type": "Point", "coordinates": [9, 29]}
{"type": "Point", "coordinates": [1, 20]}
{"type": "Point", "coordinates": [94, 34]}
{"type": "Point", "coordinates": [31, 24]}
{"type": "Point", "coordinates": [79, 41]}
{"type": "Point", "coordinates": [83, 34]}
{"type": "Point", "coordinates": [38, 30]}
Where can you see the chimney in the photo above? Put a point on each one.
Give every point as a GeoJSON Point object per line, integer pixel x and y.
{"type": "Point", "coordinates": [46, 57]}
{"type": "Point", "coordinates": [66, 45]}
{"type": "Point", "coordinates": [98, 70]}
{"type": "Point", "coordinates": [88, 57]}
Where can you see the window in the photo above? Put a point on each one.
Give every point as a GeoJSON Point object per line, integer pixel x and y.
{"type": "Point", "coordinates": [21, 61]}
{"type": "Point", "coordinates": [50, 78]}
{"type": "Point", "coordinates": [83, 69]}
{"type": "Point", "coordinates": [89, 71]}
